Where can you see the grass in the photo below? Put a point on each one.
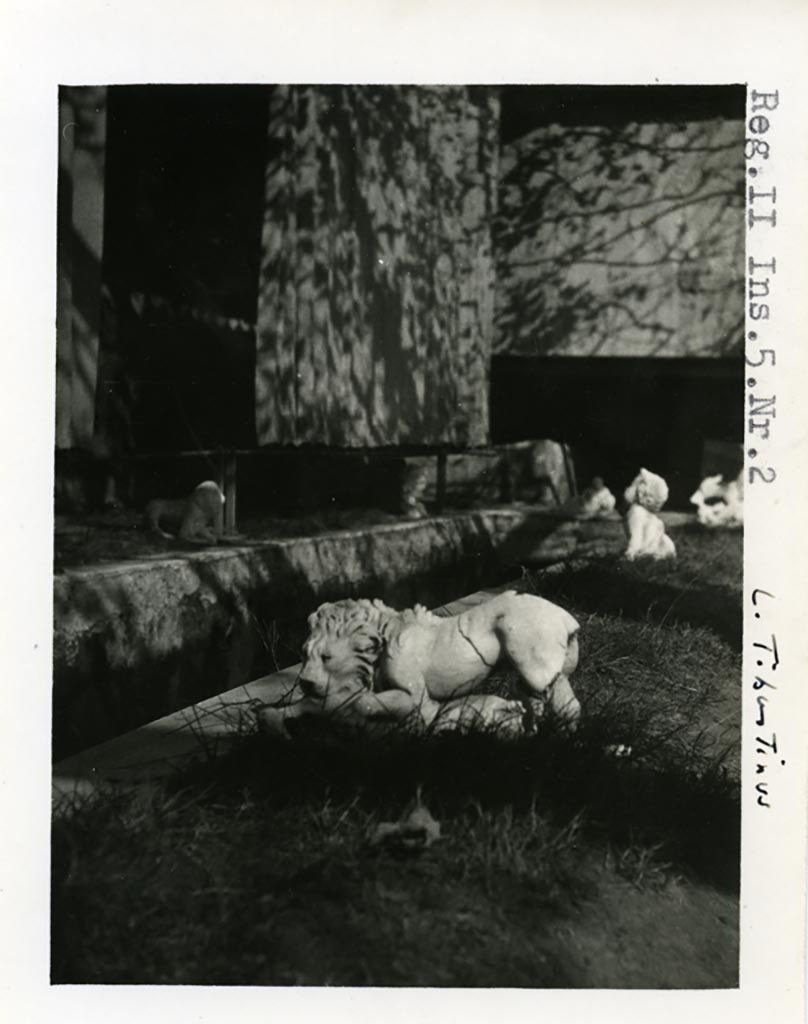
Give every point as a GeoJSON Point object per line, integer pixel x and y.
{"type": "Point", "coordinates": [702, 586]}
{"type": "Point", "coordinates": [560, 863]}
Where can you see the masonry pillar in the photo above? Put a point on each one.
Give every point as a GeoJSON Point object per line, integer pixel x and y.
{"type": "Point", "coordinates": [82, 142]}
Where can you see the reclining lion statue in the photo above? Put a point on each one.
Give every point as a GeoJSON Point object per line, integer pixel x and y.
{"type": "Point", "coordinates": [364, 662]}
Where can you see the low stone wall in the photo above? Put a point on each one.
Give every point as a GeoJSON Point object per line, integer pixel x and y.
{"type": "Point", "coordinates": [134, 641]}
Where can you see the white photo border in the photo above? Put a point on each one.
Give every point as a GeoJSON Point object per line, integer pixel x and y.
{"type": "Point", "coordinates": [46, 43]}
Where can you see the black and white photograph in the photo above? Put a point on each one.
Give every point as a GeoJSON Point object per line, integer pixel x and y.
{"type": "Point", "coordinates": [398, 537]}
{"type": "Point", "coordinates": [406, 630]}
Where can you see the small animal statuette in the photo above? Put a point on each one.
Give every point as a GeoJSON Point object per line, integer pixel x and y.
{"type": "Point", "coordinates": [719, 502]}
{"type": "Point", "coordinates": [645, 496]}
{"type": "Point", "coordinates": [596, 502]}
{"type": "Point", "coordinates": [413, 487]}
{"type": "Point", "coordinates": [548, 470]}
{"type": "Point", "coordinates": [197, 518]}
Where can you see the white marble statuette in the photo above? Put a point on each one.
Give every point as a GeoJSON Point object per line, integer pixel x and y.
{"type": "Point", "coordinates": [645, 496]}
{"type": "Point", "coordinates": [596, 502]}
{"type": "Point", "coordinates": [719, 502]}
{"type": "Point", "coordinates": [365, 662]}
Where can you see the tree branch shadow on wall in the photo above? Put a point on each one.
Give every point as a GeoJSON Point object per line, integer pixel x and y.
{"type": "Point", "coordinates": [613, 241]}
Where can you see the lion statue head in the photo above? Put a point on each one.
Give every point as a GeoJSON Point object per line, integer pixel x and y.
{"type": "Point", "coordinates": [343, 647]}
{"type": "Point", "coordinates": [647, 490]}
